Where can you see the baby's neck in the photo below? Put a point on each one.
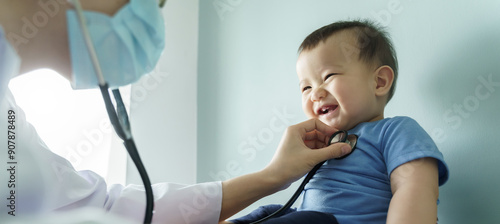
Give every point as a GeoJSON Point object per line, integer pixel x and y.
{"type": "Point", "coordinates": [377, 118]}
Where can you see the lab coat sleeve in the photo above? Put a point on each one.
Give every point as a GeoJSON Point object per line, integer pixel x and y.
{"type": "Point", "coordinates": [42, 182]}
{"type": "Point", "coordinates": [174, 203]}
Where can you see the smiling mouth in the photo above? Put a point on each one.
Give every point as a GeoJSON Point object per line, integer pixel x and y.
{"type": "Point", "coordinates": [326, 109]}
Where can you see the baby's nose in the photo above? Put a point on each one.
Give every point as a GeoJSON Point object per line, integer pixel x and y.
{"type": "Point", "coordinates": [318, 94]}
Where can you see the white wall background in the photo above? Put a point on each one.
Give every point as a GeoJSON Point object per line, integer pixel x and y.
{"type": "Point", "coordinates": [447, 50]}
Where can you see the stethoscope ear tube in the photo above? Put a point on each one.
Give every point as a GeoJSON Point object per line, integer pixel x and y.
{"type": "Point", "coordinates": [118, 117]}
{"type": "Point", "coordinates": [88, 42]}
{"type": "Point", "coordinates": [339, 136]}
{"type": "Point", "coordinates": [111, 111]}
{"type": "Point", "coordinates": [119, 120]}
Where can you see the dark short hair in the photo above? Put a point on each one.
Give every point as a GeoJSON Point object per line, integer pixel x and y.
{"type": "Point", "coordinates": [374, 43]}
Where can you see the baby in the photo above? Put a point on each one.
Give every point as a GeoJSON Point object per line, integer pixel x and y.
{"type": "Point", "coordinates": [347, 72]}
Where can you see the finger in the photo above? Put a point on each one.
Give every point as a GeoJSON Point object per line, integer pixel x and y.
{"type": "Point", "coordinates": [323, 138]}
{"type": "Point", "coordinates": [312, 135]}
{"type": "Point", "coordinates": [315, 124]}
{"type": "Point", "coordinates": [324, 130]}
{"type": "Point", "coordinates": [332, 151]}
{"type": "Point", "coordinates": [310, 144]}
{"type": "Point", "coordinates": [318, 136]}
{"type": "Point", "coordinates": [314, 144]}
{"type": "Point", "coordinates": [320, 144]}
{"type": "Point", "coordinates": [315, 135]}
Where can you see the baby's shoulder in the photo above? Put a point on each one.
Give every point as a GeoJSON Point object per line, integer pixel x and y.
{"type": "Point", "coordinates": [399, 125]}
{"type": "Point", "coordinates": [401, 120]}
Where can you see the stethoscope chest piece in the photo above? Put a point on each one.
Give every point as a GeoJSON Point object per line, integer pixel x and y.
{"type": "Point", "coordinates": [339, 136]}
{"type": "Point", "coordinates": [342, 136]}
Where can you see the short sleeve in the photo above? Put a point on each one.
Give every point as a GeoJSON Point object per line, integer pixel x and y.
{"type": "Point", "coordinates": [405, 140]}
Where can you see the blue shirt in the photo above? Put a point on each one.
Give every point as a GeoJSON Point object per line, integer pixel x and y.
{"type": "Point", "coordinates": [357, 189]}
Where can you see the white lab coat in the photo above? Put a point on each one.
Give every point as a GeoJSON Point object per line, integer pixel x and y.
{"type": "Point", "coordinates": [37, 182]}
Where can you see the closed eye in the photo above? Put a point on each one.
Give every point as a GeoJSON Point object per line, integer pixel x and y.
{"type": "Point", "coordinates": [330, 75]}
{"type": "Point", "coordinates": [306, 88]}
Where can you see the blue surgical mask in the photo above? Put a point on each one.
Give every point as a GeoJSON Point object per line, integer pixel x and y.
{"type": "Point", "coordinates": [9, 63]}
{"type": "Point", "coordinates": [128, 45]}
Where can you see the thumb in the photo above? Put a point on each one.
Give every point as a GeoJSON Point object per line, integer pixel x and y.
{"type": "Point", "coordinates": [332, 151]}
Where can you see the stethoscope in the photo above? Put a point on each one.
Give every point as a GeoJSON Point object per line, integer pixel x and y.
{"type": "Point", "coordinates": [120, 121]}
{"type": "Point", "coordinates": [118, 117]}
{"type": "Point", "coordinates": [339, 136]}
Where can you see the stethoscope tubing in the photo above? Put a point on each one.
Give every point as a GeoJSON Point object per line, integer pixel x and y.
{"type": "Point", "coordinates": [309, 176]}
{"type": "Point", "coordinates": [119, 117]}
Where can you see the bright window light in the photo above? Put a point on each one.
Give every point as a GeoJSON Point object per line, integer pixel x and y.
{"type": "Point", "coordinates": [73, 123]}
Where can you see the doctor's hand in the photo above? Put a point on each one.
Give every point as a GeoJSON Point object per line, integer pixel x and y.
{"type": "Point", "coordinates": [302, 147]}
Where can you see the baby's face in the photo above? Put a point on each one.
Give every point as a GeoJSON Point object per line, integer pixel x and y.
{"type": "Point", "coordinates": [336, 86]}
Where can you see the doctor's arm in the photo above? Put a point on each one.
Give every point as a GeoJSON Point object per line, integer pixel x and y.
{"type": "Point", "coordinates": [415, 192]}
{"type": "Point", "coordinates": [302, 147]}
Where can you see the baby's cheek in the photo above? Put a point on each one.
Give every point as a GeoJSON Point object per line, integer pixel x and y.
{"type": "Point", "coordinates": [307, 108]}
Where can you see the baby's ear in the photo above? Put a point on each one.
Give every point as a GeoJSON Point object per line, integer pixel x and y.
{"type": "Point", "coordinates": [384, 76]}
